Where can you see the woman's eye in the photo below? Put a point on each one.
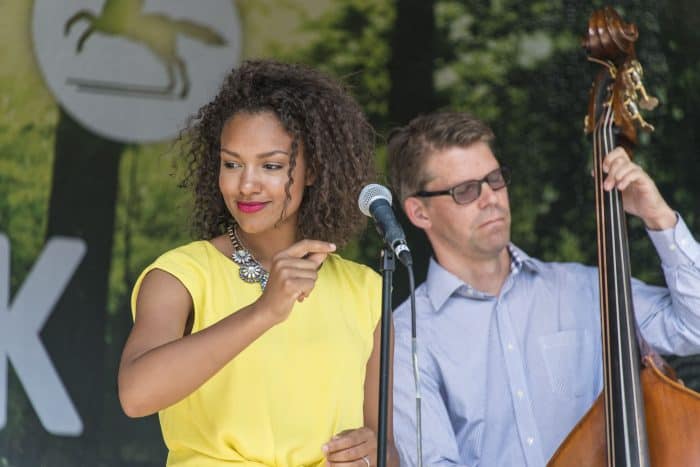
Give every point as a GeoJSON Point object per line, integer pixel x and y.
{"type": "Point", "coordinates": [271, 166]}
{"type": "Point", "coordinates": [231, 165]}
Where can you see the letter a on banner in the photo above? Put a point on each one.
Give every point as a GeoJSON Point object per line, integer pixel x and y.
{"type": "Point", "coordinates": [20, 325]}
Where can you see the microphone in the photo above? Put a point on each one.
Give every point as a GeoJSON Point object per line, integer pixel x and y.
{"type": "Point", "coordinates": [375, 202]}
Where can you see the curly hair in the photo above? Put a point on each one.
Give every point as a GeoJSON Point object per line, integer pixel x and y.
{"type": "Point", "coordinates": [320, 116]}
{"type": "Point", "coordinates": [410, 146]}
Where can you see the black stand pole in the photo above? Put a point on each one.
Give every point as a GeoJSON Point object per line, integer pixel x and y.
{"type": "Point", "coordinates": [387, 269]}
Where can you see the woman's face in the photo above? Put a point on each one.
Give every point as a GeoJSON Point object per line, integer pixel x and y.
{"type": "Point", "coordinates": [255, 155]}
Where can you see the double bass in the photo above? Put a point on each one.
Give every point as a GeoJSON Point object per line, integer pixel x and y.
{"type": "Point", "coordinates": [645, 416]}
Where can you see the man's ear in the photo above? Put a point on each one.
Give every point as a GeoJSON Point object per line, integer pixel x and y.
{"type": "Point", "coordinates": [416, 212]}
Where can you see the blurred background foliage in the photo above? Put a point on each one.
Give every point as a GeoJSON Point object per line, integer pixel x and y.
{"type": "Point", "coordinates": [516, 64]}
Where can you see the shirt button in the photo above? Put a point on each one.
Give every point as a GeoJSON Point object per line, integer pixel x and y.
{"type": "Point", "coordinates": [520, 393]}
{"type": "Point", "coordinates": [530, 440]}
{"type": "Point", "coordinates": [672, 247]}
{"type": "Point", "coordinates": [510, 346]}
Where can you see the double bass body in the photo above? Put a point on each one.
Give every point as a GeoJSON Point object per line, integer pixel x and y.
{"type": "Point", "coordinates": [672, 427]}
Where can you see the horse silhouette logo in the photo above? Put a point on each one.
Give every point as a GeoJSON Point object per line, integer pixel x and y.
{"type": "Point", "coordinates": [155, 31]}
{"type": "Point", "coordinates": [135, 70]}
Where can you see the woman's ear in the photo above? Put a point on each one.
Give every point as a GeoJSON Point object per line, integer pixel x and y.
{"type": "Point", "coordinates": [416, 212]}
{"type": "Point", "coordinates": [309, 177]}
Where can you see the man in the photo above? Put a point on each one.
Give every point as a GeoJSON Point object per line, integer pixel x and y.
{"type": "Point", "coordinates": [509, 350]}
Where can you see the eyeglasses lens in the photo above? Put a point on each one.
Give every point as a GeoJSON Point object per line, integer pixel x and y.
{"type": "Point", "coordinates": [496, 180]}
{"type": "Point", "coordinates": [469, 191]}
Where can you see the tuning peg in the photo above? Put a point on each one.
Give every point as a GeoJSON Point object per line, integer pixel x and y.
{"type": "Point", "coordinates": [633, 113]}
{"type": "Point", "coordinates": [647, 102]}
{"type": "Point", "coordinates": [633, 75]}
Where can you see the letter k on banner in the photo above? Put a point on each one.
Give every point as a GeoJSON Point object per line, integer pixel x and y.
{"type": "Point", "coordinates": [20, 325]}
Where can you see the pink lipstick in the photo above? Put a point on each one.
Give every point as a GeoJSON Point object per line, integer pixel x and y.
{"type": "Point", "coordinates": [250, 207]}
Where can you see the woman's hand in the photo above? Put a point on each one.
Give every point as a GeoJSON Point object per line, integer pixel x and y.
{"type": "Point", "coordinates": [292, 277]}
{"type": "Point", "coordinates": [352, 448]}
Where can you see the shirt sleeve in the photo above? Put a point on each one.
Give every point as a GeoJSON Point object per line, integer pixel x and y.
{"type": "Point", "coordinates": [439, 446]}
{"type": "Point", "coordinates": [184, 267]}
{"type": "Point", "coordinates": [669, 318]}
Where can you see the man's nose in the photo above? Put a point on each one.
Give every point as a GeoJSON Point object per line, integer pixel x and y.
{"type": "Point", "coordinates": [488, 195]}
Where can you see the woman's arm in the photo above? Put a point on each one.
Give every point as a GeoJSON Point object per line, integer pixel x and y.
{"type": "Point", "coordinates": [161, 365]}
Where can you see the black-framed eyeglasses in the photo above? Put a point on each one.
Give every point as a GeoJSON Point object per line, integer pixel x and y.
{"type": "Point", "coordinates": [466, 192]}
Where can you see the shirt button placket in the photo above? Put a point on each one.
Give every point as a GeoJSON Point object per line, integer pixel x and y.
{"type": "Point", "coordinates": [524, 416]}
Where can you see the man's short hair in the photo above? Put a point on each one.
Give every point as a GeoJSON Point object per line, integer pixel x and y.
{"type": "Point", "coordinates": [410, 146]}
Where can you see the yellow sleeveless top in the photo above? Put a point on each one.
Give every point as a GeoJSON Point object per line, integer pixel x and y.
{"type": "Point", "coordinates": [291, 390]}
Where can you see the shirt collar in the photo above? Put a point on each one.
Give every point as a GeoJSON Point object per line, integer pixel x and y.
{"type": "Point", "coordinates": [442, 284]}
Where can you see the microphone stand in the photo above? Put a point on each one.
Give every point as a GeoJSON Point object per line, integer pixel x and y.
{"type": "Point", "coordinates": [388, 265]}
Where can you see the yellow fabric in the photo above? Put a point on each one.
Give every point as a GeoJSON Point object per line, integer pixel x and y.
{"type": "Point", "coordinates": [285, 395]}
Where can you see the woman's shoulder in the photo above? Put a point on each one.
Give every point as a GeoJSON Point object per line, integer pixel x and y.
{"type": "Point", "coordinates": [196, 254]}
{"type": "Point", "coordinates": [347, 268]}
{"type": "Point", "coordinates": [343, 263]}
{"type": "Point", "coordinates": [195, 249]}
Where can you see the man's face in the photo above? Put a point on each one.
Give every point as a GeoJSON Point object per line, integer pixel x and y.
{"type": "Point", "coordinates": [478, 230]}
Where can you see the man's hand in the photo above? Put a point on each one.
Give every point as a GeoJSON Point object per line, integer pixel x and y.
{"type": "Point", "coordinates": [639, 193]}
{"type": "Point", "coordinates": [352, 448]}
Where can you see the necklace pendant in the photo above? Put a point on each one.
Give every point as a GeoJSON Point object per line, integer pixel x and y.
{"type": "Point", "coordinates": [241, 257]}
{"type": "Point", "coordinates": [249, 270]}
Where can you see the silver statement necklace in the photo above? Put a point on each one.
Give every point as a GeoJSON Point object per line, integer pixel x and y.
{"type": "Point", "coordinates": [249, 269]}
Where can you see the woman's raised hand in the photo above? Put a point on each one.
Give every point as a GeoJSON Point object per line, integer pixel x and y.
{"type": "Point", "coordinates": [292, 277]}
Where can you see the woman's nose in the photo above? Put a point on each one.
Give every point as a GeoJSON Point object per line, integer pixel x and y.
{"type": "Point", "coordinates": [249, 182]}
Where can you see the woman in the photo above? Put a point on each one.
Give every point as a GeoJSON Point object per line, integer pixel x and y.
{"type": "Point", "coordinates": [258, 345]}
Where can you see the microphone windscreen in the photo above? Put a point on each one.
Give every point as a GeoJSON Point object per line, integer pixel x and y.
{"type": "Point", "coordinates": [369, 194]}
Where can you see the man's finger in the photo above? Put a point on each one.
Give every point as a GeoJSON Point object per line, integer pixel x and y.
{"type": "Point", "coordinates": [627, 179]}
{"type": "Point", "coordinates": [614, 177]}
{"type": "Point", "coordinates": [616, 153]}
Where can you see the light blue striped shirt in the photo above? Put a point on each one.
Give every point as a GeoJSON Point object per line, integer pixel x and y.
{"type": "Point", "coordinates": [505, 378]}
